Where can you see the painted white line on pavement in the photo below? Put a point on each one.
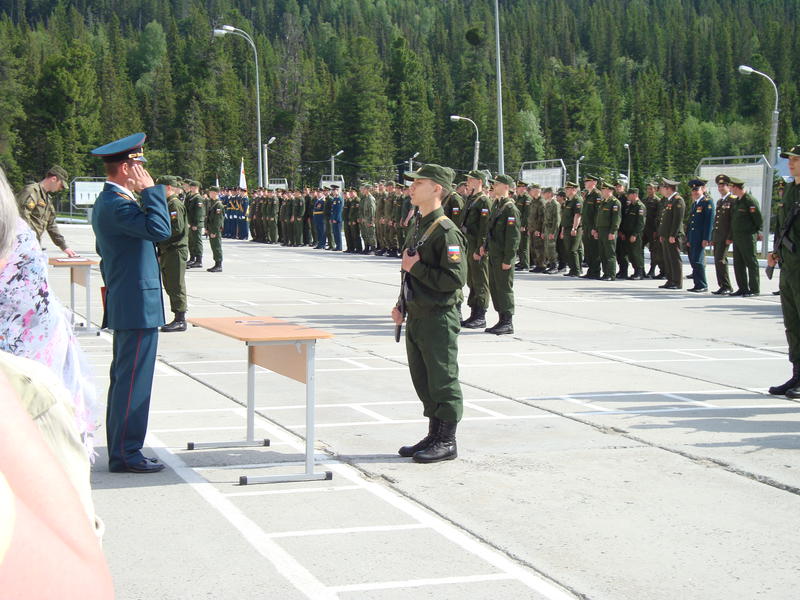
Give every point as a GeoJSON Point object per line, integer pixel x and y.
{"type": "Point", "coordinates": [284, 563]}
{"type": "Point", "coordinates": [487, 411]}
{"type": "Point", "coordinates": [591, 405]}
{"type": "Point", "coordinates": [343, 530]}
{"type": "Point", "coordinates": [689, 400]}
{"type": "Point", "coordinates": [371, 413]}
{"type": "Point", "coordinates": [391, 585]}
{"type": "Point", "coordinates": [405, 421]}
{"type": "Point", "coordinates": [298, 490]}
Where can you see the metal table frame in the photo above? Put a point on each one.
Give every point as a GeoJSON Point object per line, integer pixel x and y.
{"type": "Point", "coordinates": [79, 274]}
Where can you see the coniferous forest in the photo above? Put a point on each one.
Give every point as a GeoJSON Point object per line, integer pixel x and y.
{"type": "Point", "coordinates": [380, 78]}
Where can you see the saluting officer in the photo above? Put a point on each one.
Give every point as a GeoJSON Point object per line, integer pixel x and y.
{"type": "Point", "coordinates": [745, 227]}
{"type": "Point", "coordinates": [698, 236]}
{"type": "Point", "coordinates": [722, 236]}
{"type": "Point", "coordinates": [671, 234]}
{"type": "Point", "coordinates": [37, 210]}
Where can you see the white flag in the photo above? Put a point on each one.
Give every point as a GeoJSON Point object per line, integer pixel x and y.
{"type": "Point", "coordinates": [217, 183]}
{"type": "Point", "coordinates": [242, 179]}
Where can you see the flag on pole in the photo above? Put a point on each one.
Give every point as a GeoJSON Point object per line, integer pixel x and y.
{"type": "Point", "coordinates": [242, 179]}
{"type": "Point", "coordinates": [217, 181]}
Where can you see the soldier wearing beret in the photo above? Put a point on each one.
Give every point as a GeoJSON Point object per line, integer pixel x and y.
{"type": "Point", "coordinates": [173, 253]}
{"type": "Point", "coordinates": [671, 233]}
{"type": "Point", "coordinates": [722, 236]}
{"type": "Point", "coordinates": [698, 234]}
{"type": "Point", "coordinates": [214, 221]}
{"type": "Point", "coordinates": [607, 220]}
{"type": "Point", "coordinates": [476, 223]}
{"type": "Point", "coordinates": [37, 210]}
{"type": "Point", "coordinates": [746, 224]}
{"type": "Point", "coordinates": [436, 273]}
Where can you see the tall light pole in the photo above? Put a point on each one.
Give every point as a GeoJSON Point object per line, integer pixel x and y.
{"type": "Point", "coordinates": [477, 139]}
{"type": "Point", "coordinates": [223, 31]}
{"type": "Point", "coordinates": [628, 148]}
{"type": "Point", "coordinates": [578, 170]}
{"type": "Point", "coordinates": [501, 163]}
{"type": "Point", "coordinates": [411, 161]}
{"type": "Point", "coordinates": [333, 163]}
{"type": "Point", "coordinates": [773, 154]}
{"type": "Point", "coordinates": [266, 159]}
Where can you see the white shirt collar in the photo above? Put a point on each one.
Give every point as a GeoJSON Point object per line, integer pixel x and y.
{"type": "Point", "coordinates": [122, 189]}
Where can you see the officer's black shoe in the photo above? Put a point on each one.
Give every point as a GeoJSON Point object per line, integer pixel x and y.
{"type": "Point", "coordinates": [178, 323]}
{"type": "Point", "coordinates": [379, 252]}
{"type": "Point", "coordinates": [538, 269]}
{"type": "Point", "coordinates": [664, 285]}
{"type": "Point", "coordinates": [573, 274]}
{"type": "Point", "coordinates": [607, 278]}
{"type": "Point", "coordinates": [443, 447]}
{"type": "Point", "coordinates": [637, 275]}
{"type": "Point", "coordinates": [622, 274]}
{"type": "Point", "coordinates": [749, 294]}
{"type": "Point", "coordinates": [659, 276]}
{"type": "Point", "coordinates": [520, 268]}
{"type": "Point", "coordinates": [671, 286]}
{"type": "Point", "coordinates": [776, 293]}
{"type": "Point", "coordinates": [737, 293]}
{"type": "Point", "coordinates": [780, 390]}
{"type": "Point", "coordinates": [197, 264]}
{"type": "Point", "coordinates": [793, 393]}
{"type": "Point", "coordinates": [697, 289]}
{"type": "Point", "coordinates": [551, 270]}
{"type": "Point", "coordinates": [433, 429]}
{"type": "Point", "coordinates": [477, 319]}
{"type": "Point", "coordinates": [190, 262]}
{"type": "Point", "coordinates": [504, 325]}
{"type": "Point", "coordinates": [217, 268]}
{"type": "Point", "coordinates": [562, 267]}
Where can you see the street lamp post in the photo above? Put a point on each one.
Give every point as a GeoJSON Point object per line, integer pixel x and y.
{"type": "Point", "coordinates": [578, 170]}
{"type": "Point", "coordinates": [411, 161]}
{"type": "Point", "coordinates": [477, 139]}
{"type": "Point", "coordinates": [333, 163]}
{"type": "Point", "coordinates": [266, 160]}
{"type": "Point", "coordinates": [773, 154]}
{"type": "Point", "coordinates": [225, 30]}
{"type": "Point", "coordinates": [628, 148]}
{"type": "Point", "coordinates": [500, 149]}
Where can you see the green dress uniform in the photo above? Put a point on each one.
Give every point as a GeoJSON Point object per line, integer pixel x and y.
{"type": "Point", "coordinates": [523, 203]}
{"type": "Point", "coordinates": [671, 225]}
{"type": "Point", "coordinates": [380, 222]}
{"type": "Point", "coordinates": [550, 226]}
{"type": "Point", "coordinates": [271, 219]}
{"type": "Point", "coordinates": [353, 225]}
{"type": "Point", "coordinates": [453, 206]}
{"type": "Point", "coordinates": [296, 219]}
{"type": "Point", "coordinates": [37, 210]}
{"type": "Point", "coordinates": [476, 224]}
{"type": "Point", "coordinates": [196, 214]}
{"type": "Point", "coordinates": [214, 220]}
{"type": "Point", "coordinates": [746, 222]}
{"type": "Point", "coordinates": [790, 273]}
{"type": "Point", "coordinates": [173, 253]}
{"type": "Point", "coordinates": [367, 224]}
{"type": "Point", "coordinates": [535, 224]}
{"type": "Point", "coordinates": [607, 221]}
{"type": "Point", "coordinates": [572, 243]}
{"type": "Point", "coordinates": [502, 242]}
{"type": "Point", "coordinates": [651, 239]}
{"type": "Point", "coordinates": [590, 245]}
{"type": "Point", "coordinates": [347, 204]}
{"type": "Point", "coordinates": [633, 225]}
{"type": "Point", "coordinates": [720, 237]}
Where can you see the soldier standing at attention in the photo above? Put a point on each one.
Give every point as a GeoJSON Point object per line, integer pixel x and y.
{"type": "Point", "coordinates": [37, 210]}
{"type": "Point", "coordinates": [722, 236]}
{"type": "Point", "coordinates": [476, 224]}
{"type": "Point", "coordinates": [196, 214]}
{"type": "Point", "coordinates": [550, 222]}
{"type": "Point", "coordinates": [698, 235]}
{"type": "Point", "coordinates": [308, 210]}
{"type": "Point", "coordinates": [319, 219]}
{"type": "Point", "coordinates": [453, 205]}
{"type": "Point", "coordinates": [502, 242]}
{"type": "Point", "coordinates": [214, 220]}
{"type": "Point", "coordinates": [632, 231]}
{"type": "Point", "coordinates": [367, 221]}
{"type": "Point", "coordinates": [607, 220]}
{"type": "Point", "coordinates": [572, 229]}
{"type": "Point", "coordinates": [622, 255]}
{"type": "Point", "coordinates": [670, 232]}
{"type": "Point", "coordinates": [336, 217]}
{"type": "Point", "coordinates": [535, 224]}
{"type": "Point", "coordinates": [173, 253]}
{"type": "Point", "coordinates": [436, 273]}
{"type": "Point", "coordinates": [651, 239]}
{"type": "Point", "coordinates": [523, 203]}
{"type": "Point", "coordinates": [745, 226]}
{"type": "Point", "coordinates": [590, 238]}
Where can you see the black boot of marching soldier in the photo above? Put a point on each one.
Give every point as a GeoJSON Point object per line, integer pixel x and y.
{"type": "Point", "coordinates": [443, 447]}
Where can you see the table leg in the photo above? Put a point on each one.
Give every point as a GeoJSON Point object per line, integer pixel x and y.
{"type": "Point", "coordinates": [251, 395]}
{"type": "Point", "coordinates": [88, 297]}
{"type": "Point", "coordinates": [72, 295]}
{"type": "Point", "coordinates": [310, 390]}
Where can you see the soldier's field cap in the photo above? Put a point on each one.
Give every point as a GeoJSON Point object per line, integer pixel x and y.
{"type": "Point", "coordinates": [793, 151]}
{"type": "Point", "coordinates": [475, 174]}
{"type": "Point", "coordinates": [669, 182]}
{"type": "Point", "coordinates": [589, 177]}
{"type": "Point", "coordinates": [632, 191]}
{"type": "Point", "coordinates": [534, 186]}
{"type": "Point", "coordinates": [697, 182]}
{"type": "Point", "coordinates": [722, 178]}
{"type": "Point", "coordinates": [605, 185]}
{"type": "Point", "coordinates": [334, 186]}
{"type": "Point", "coordinates": [571, 184]}
{"type": "Point", "coordinates": [436, 173]}
{"type": "Point", "coordinates": [652, 184]}
{"type": "Point", "coordinates": [506, 179]}
{"type": "Point", "coordinates": [213, 188]}
{"type": "Point", "coordinates": [58, 172]}
{"type": "Point", "coordinates": [168, 180]}
{"type": "Point", "coordinates": [127, 148]}
{"type": "Point", "coordinates": [737, 182]}
{"type": "Point", "coordinates": [562, 193]}
{"type": "Point", "coordinates": [547, 190]}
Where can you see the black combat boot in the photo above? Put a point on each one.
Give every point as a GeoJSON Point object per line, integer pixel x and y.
{"type": "Point", "coordinates": [433, 428]}
{"type": "Point", "coordinates": [443, 446]}
{"type": "Point", "coordinates": [190, 262]}
{"type": "Point", "coordinates": [637, 275]}
{"type": "Point", "coordinates": [504, 325]}
{"type": "Point", "coordinates": [379, 252]}
{"type": "Point", "coordinates": [477, 319]}
{"type": "Point", "coordinates": [780, 390]}
{"type": "Point", "coordinates": [551, 268]}
{"type": "Point", "coordinates": [178, 323]}
{"type": "Point", "coordinates": [197, 264]}
{"type": "Point", "coordinates": [217, 268]}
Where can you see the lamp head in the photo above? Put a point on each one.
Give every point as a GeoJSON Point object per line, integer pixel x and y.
{"type": "Point", "coordinates": [582, 157]}
{"type": "Point", "coordinates": [219, 32]}
{"type": "Point", "coordinates": [626, 146]}
{"type": "Point", "coordinates": [455, 118]}
{"type": "Point", "coordinates": [272, 139]}
{"type": "Point", "coordinates": [229, 28]}
{"type": "Point", "coordinates": [745, 70]}
{"type": "Point", "coordinates": [416, 154]}
{"type": "Point", "coordinates": [339, 152]}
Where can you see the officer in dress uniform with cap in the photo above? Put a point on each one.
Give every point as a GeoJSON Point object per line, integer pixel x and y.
{"type": "Point", "coordinates": [698, 235]}
{"type": "Point", "coordinates": [671, 234]}
{"type": "Point", "coordinates": [126, 232]}
{"type": "Point", "coordinates": [721, 235]}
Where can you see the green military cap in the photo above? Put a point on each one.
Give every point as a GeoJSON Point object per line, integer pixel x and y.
{"type": "Point", "coordinates": [738, 182]}
{"type": "Point", "coordinates": [722, 178]}
{"type": "Point", "coordinates": [521, 183]}
{"type": "Point", "coordinates": [179, 178]}
{"type": "Point", "coordinates": [127, 148]}
{"type": "Point", "coordinates": [669, 182]}
{"type": "Point", "coordinates": [697, 182]}
{"type": "Point", "coordinates": [617, 182]}
{"type": "Point", "coordinates": [547, 190]}
{"type": "Point", "coordinates": [436, 173]}
{"type": "Point", "coordinates": [213, 188]}
{"type": "Point", "coordinates": [652, 184]}
{"type": "Point", "coordinates": [793, 151]}
{"type": "Point", "coordinates": [633, 190]}
{"type": "Point", "coordinates": [570, 184]}
{"type": "Point", "coordinates": [59, 172]}
{"type": "Point", "coordinates": [506, 179]}
{"type": "Point", "coordinates": [562, 193]}
{"type": "Point", "coordinates": [605, 185]}
{"type": "Point", "coordinates": [168, 180]}
{"type": "Point", "coordinates": [475, 174]}
{"type": "Point", "coordinates": [589, 177]}
{"type": "Point", "coordinates": [534, 186]}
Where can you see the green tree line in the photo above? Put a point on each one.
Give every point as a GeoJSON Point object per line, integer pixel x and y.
{"type": "Point", "coordinates": [380, 78]}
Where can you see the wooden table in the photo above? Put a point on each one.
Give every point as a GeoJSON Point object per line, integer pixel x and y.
{"type": "Point", "coordinates": [80, 273]}
{"type": "Point", "coordinates": [283, 348]}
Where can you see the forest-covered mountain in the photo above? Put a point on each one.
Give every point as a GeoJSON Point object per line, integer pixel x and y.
{"type": "Point", "coordinates": [379, 79]}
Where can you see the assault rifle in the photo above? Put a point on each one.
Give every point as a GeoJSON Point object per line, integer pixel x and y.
{"type": "Point", "coordinates": [782, 239]}
{"type": "Point", "coordinates": [405, 295]}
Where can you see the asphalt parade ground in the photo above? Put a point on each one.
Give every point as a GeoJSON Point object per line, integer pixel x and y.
{"type": "Point", "coordinates": [620, 445]}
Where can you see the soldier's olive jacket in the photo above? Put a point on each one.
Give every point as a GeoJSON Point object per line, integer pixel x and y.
{"type": "Point", "coordinates": [347, 204]}
{"type": "Point", "coordinates": [453, 207]}
{"type": "Point", "coordinates": [552, 217]}
{"type": "Point", "coordinates": [791, 197]}
{"type": "Point", "coordinates": [368, 209]}
{"type": "Point", "coordinates": [651, 222]}
{"type": "Point", "coordinates": [722, 220]}
{"type": "Point", "coordinates": [503, 235]}
{"type": "Point", "coordinates": [298, 208]}
{"type": "Point", "coordinates": [671, 224]}
{"type": "Point", "coordinates": [216, 216]}
{"type": "Point", "coordinates": [38, 211]}
{"type": "Point", "coordinates": [633, 218]}
{"type": "Point", "coordinates": [436, 280]}
{"type": "Point", "coordinates": [195, 210]}
{"type": "Point", "coordinates": [535, 214]}
{"type": "Point", "coordinates": [355, 210]}
{"type": "Point", "coordinates": [476, 220]}
{"type": "Point", "coordinates": [523, 203]}
{"type": "Point", "coordinates": [177, 220]}
{"type": "Point", "coordinates": [746, 219]}
{"type": "Point", "coordinates": [590, 203]}
{"type": "Point", "coordinates": [571, 207]}
{"type": "Point", "coordinates": [609, 214]}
